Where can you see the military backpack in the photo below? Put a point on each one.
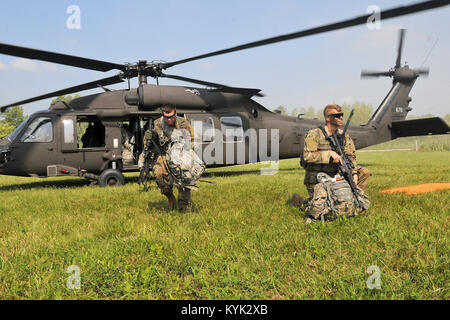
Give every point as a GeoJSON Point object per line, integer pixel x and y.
{"type": "Point", "coordinates": [333, 197]}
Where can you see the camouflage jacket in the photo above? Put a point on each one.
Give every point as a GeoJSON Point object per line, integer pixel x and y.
{"type": "Point", "coordinates": [163, 132]}
{"type": "Point", "coordinates": [317, 151]}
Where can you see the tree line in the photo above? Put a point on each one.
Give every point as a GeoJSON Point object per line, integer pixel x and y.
{"type": "Point", "coordinates": [363, 112]}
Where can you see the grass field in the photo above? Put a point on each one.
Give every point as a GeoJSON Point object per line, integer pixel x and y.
{"type": "Point", "coordinates": [423, 143]}
{"type": "Point", "coordinates": [244, 242]}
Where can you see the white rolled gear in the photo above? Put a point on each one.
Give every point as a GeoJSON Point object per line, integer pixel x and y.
{"type": "Point", "coordinates": [184, 164]}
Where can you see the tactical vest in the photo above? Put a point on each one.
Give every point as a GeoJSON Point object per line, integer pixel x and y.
{"type": "Point", "coordinates": [164, 131]}
{"type": "Point", "coordinates": [323, 145]}
{"type": "Point", "coordinates": [183, 164]}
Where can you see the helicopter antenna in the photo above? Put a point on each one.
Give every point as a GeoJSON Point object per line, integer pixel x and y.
{"type": "Point", "coordinates": [429, 53]}
{"type": "Point", "coordinates": [105, 89]}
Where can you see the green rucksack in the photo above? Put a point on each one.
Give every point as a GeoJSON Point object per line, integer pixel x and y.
{"type": "Point", "coordinates": [333, 197]}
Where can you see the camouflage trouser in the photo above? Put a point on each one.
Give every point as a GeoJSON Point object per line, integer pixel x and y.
{"type": "Point", "coordinates": [363, 178]}
{"type": "Point", "coordinates": [311, 179]}
{"type": "Point", "coordinates": [162, 180]}
{"type": "Point", "coordinates": [127, 157]}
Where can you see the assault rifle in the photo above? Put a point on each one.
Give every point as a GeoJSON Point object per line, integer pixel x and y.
{"type": "Point", "coordinates": [150, 154]}
{"type": "Point", "coordinates": [337, 144]}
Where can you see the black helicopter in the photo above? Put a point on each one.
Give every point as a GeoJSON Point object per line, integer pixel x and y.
{"type": "Point", "coordinates": [85, 136]}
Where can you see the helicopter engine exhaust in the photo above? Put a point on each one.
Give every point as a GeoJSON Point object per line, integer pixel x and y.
{"type": "Point", "coordinates": [150, 97]}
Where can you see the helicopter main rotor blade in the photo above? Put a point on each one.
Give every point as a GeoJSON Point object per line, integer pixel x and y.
{"type": "Point", "coordinates": [387, 14]}
{"type": "Point", "coordinates": [400, 48]}
{"type": "Point", "coordinates": [59, 58]}
{"type": "Point", "coordinates": [219, 86]}
{"type": "Point", "coordinates": [81, 87]}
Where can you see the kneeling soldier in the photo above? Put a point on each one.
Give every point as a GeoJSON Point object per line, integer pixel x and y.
{"type": "Point", "coordinates": [320, 157]}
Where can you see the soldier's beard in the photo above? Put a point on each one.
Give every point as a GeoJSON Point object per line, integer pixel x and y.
{"type": "Point", "coordinates": [337, 123]}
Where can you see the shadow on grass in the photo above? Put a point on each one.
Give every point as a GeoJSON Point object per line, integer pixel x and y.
{"type": "Point", "coordinates": [159, 206]}
{"type": "Point", "coordinates": [47, 184]}
{"type": "Point", "coordinates": [76, 183]}
{"type": "Point", "coordinates": [242, 172]}
{"type": "Point", "coordinates": [221, 174]}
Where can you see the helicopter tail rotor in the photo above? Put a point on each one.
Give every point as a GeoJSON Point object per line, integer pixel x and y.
{"type": "Point", "coordinates": [398, 73]}
{"type": "Point", "coordinates": [422, 71]}
{"type": "Point", "coordinates": [400, 48]}
{"type": "Point", "coordinates": [369, 74]}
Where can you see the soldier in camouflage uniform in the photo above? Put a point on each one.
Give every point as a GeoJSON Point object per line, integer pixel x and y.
{"type": "Point", "coordinates": [162, 131]}
{"type": "Point", "coordinates": [127, 145]}
{"type": "Point", "coordinates": [319, 156]}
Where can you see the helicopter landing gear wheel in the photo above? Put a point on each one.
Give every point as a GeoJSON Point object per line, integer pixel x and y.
{"type": "Point", "coordinates": [111, 178]}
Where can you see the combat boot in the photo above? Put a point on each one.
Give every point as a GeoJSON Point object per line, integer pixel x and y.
{"type": "Point", "coordinates": [184, 200]}
{"type": "Point", "coordinates": [298, 201]}
{"type": "Point", "coordinates": [172, 201]}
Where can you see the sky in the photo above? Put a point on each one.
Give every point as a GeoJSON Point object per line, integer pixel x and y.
{"type": "Point", "coordinates": [311, 71]}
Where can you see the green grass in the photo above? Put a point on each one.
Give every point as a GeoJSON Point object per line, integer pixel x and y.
{"type": "Point", "coordinates": [244, 242]}
{"type": "Point", "coordinates": [423, 143]}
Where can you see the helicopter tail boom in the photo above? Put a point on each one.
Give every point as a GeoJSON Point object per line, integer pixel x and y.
{"type": "Point", "coordinates": [394, 107]}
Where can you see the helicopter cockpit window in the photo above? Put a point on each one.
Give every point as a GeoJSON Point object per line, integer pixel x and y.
{"type": "Point", "coordinates": [90, 131]}
{"type": "Point", "coordinates": [205, 129]}
{"type": "Point", "coordinates": [232, 129]}
{"type": "Point", "coordinates": [39, 130]}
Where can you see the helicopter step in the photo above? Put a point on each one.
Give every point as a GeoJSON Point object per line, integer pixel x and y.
{"type": "Point", "coordinates": [62, 170]}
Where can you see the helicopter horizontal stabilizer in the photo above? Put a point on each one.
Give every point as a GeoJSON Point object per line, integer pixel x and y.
{"type": "Point", "coordinates": [420, 127]}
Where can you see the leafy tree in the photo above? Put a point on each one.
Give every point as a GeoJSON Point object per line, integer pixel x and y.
{"type": "Point", "coordinates": [412, 117]}
{"type": "Point", "coordinates": [362, 113]}
{"type": "Point", "coordinates": [14, 116]}
{"type": "Point", "coordinates": [309, 113]}
{"type": "Point", "coordinates": [66, 98]}
{"type": "Point", "coordinates": [282, 109]}
{"type": "Point", "coordinates": [5, 129]}
{"type": "Point", "coordinates": [294, 112]}
{"type": "Point", "coordinates": [447, 118]}
{"type": "Point", "coordinates": [11, 119]}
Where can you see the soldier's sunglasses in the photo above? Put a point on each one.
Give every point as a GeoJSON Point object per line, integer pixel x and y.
{"type": "Point", "coordinates": [336, 115]}
{"type": "Point", "coordinates": [169, 117]}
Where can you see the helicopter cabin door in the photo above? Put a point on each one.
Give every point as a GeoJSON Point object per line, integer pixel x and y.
{"type": "Point", "coordinates": [235, 137]}
{"type": "Point", "coordinates": [205, 137]}
{"type": "Point", "coordinates": [82, 142]}
{"type": "Point", "coordinates": [223, 139]}
{"type": "Point", "coordinates": [36, 146]}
